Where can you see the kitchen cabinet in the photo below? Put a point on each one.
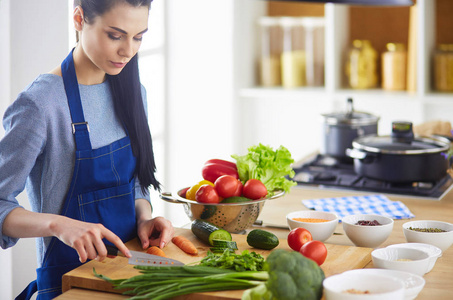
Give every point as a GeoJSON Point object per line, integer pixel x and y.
{"type": "Point", "coordinates": [292, 117]}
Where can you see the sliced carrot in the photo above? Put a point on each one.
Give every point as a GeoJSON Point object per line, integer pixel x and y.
{"type": "Point", "coordinates": [156, 251]}
{"type": "Point", "coordinates": [184, 244]}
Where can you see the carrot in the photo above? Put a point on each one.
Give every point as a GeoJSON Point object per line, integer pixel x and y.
{"type": "Point", "coordinates": [156, 251]}
{"type": "Point", "coordinates": [184, 244]}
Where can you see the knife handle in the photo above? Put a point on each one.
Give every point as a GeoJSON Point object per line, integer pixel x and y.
{"type": "Point", "coordinates": [112, 250]}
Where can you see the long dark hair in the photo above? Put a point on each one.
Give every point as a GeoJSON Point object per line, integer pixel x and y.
{"type": "Point", "coordinates": [127, 98]}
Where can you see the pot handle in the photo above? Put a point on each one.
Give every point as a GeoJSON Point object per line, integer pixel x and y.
{"type": "Point", "coordinates": [364, 157]}
{"type": "Point", "coordinates": [166, 196]}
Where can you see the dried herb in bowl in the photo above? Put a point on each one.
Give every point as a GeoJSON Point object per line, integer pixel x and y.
{"type": "Point", "coordinates": [427, 229]}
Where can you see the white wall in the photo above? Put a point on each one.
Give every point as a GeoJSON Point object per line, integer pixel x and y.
{"type": "Point", "coordinates": [34, 40]}
{"type": "Point", "coordinates": [200, 89]}
{"type": "Point", "coordinates": [6, 280]}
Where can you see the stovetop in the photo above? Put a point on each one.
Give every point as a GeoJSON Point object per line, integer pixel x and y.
{"type": "Point", "coordinates": [327, 172]}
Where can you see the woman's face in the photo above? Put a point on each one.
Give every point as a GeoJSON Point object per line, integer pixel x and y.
{"type": "Point", "coordinates": [112, 39]}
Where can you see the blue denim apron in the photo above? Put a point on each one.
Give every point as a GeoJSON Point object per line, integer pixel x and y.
{"type": "Point", "coordinates": [101, 191]}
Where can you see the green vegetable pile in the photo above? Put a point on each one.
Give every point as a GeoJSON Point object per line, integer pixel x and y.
{"type": "Point", "coordinates": [246, 261]}
{"type": "Point", "coordinates": [287, 275]}
{"type": "Point", "coordinates": [269, 166]}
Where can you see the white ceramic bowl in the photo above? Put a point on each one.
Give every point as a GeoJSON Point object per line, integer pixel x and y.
{"type": "Point", "coordinates": [379, 287]}
{"type": "Point", "coordinates": [442, 240]}
{"type": "Point", "coordinates": [319, 231]}
{"type": "Point", "coordinates": [367, 236]}
{"type": "Point", "coordinates": [433, 251]}
{"type": "Point", "coordinates": [413, 284]}
{"type": "Point", "coordinates": [393, 258]}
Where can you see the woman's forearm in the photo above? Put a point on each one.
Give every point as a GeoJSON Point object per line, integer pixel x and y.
{"type": "Point", "coordinates": [22, 223]}
{"type": "Point", "coordinates": [143, 210]}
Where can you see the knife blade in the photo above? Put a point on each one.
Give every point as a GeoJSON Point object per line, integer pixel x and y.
{"type": "Point", "coordinates": [144, 259]}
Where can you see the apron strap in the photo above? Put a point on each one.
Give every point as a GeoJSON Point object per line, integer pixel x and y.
{"type": "Point", "coordinates": [28, 292]}
{"type": "Point", "coordinates": [80, 128]}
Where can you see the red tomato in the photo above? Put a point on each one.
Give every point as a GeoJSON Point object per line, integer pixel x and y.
{"type": "Point", "coordinates": [254, 189]}
{"type": "Point", "coordinates": [226, 186]}
{"type": "Point", "coordinates": [298, 237]}
{"type": "Point", "coordinates": [207, 194]}
{"type": "Point", "coordinates": [183, 192]}
{"type": "Point", "coordinates": [212, 171]}
{"type": "Point", "coordinates": [315, 250]}
{"type": "Point", "coordinates": [238, 191]}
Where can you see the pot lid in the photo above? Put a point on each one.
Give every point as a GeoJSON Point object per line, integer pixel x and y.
{"type": "Point", "coordinates": [392, 145]}
{"type": "Point", "coordinates": [350, 117]}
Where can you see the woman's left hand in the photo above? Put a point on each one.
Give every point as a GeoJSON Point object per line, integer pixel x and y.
{"type": "Point", "coordinates": [155, 232]}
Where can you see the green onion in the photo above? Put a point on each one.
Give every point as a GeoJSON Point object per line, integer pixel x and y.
{"type": "Point", "coordinates": [160, 282]}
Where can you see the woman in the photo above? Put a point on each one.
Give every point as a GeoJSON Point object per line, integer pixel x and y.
{"type": "Point", "coordinates": [78, 139]}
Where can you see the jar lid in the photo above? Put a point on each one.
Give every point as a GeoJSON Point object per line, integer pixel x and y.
{"type": "Point", "coordinates": [268, 21]}
{"type": "Point", "coordinates": [395, 47]}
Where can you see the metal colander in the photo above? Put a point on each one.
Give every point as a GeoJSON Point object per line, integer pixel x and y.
{"type": "Point", "coordinates": [233, 217]}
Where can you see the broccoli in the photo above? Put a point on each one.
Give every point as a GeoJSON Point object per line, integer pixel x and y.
{"type": "Point", "coordinates": [291, 276]}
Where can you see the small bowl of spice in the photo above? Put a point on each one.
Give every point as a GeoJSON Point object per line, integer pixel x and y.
{"type": "Point", "coordinates": [367, 230]}
{"type": "Point", "coordinates": [320, 224]}
{"type": "Point", "coordinates": [410, 260]}
{"type": "Point", "coordinates": [433, 251]}
{"type": "Point", "coordinates": [351, 286]}
{"type": "Point", "coordinates": [436, 233]}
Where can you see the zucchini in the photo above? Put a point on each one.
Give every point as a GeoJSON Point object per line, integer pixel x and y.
{"type": "Point", "coordinates": [208, 232]}
{"type": "Point", "coordinates": [262, 239]}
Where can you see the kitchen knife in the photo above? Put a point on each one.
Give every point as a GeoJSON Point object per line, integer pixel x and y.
{"type": "Point", "coordinates": [144, 259]}
{"type": "Point", "coordinates": [262, 224]}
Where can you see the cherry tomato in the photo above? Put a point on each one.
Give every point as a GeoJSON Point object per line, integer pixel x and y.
{"type": "Point", "coordinates": [207, 194]}
{"type": "Point", "coordinates": [238, 191]}
{"type": "Point", "coordinates": [298, 237]}
{"type": "Point", "coordinates": [315, 250]}
{"type": "Point", "coordinates": [254, 189]}
{"type": "Point", "coordinates": [226, 186]}
{"type": "Point", "coordinates": [190, 194]}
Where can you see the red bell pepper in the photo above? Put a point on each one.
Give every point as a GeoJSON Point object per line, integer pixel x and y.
{"type": "Point", "coordinates": [214, 168]}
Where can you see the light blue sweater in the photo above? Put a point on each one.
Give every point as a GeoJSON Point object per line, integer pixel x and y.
{"type": "Point", "coordinates": [38, 149]}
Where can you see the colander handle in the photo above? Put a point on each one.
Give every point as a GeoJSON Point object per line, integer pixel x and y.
{"type": "Point", "coordinates": [169, 198]}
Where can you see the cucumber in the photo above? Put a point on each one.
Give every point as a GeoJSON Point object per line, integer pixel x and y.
{"type": "Point", "coordinates": [225, 244]}
{"type": "Point", "coordinates": [236, 199]}
{"type": "Point", "coordinates": [221, 250]}
{"type": "Point", "coordinates": [262, 239]}
{"type": "Point", "coordinates": [208, 232]}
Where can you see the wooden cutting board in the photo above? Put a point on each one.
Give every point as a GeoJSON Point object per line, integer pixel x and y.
{"type": "Point", "coordinates": [339, 259]}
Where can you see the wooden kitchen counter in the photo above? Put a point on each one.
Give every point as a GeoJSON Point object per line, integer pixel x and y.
{"type": "Point", "coordinates": [438, 281]}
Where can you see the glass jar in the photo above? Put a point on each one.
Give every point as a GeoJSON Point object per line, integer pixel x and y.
{"type": "Point", "coordinates": [314, 49]}
{"type": "Point", "coordinates": [293, 57]}
{"type": "Point", "coordinates": [394, 66]}
{"type": "Point", "coordinates": [443, 68]}
{"type": "Point", "coordinates": [361, 65]}
{"type": "Point", "coordinates": [271, 50]}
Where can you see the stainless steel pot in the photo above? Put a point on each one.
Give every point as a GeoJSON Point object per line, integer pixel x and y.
{"type": "Point", "coordinates": [401, 157]}
{"type": "Point", "coordinates": [233, 217]}
{"type": "Point", "coordinates": [340, 129]}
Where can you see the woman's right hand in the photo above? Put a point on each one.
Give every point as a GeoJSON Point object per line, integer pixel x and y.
{"type": "Point", "coordinates": [86, 238]}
